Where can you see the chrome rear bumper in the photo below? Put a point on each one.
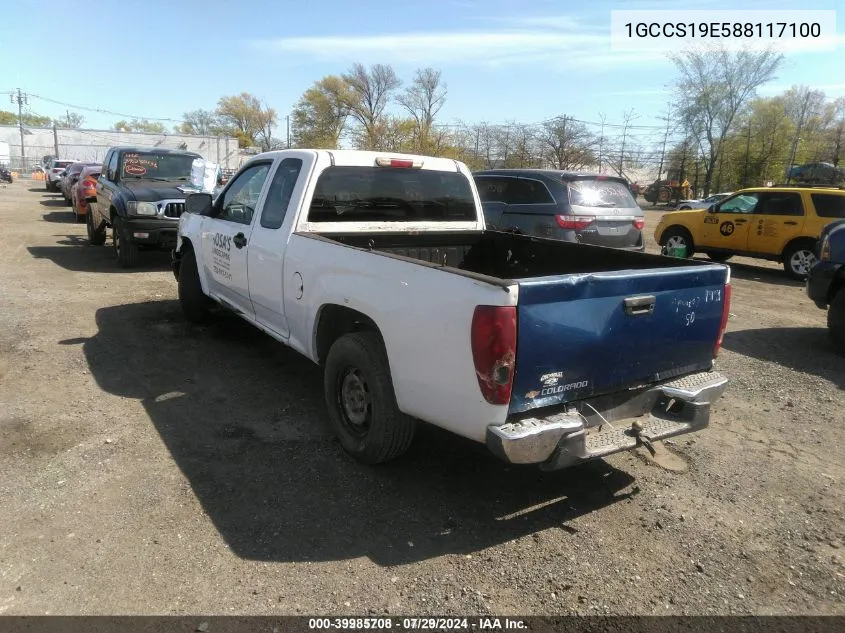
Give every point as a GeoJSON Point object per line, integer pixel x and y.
{"type": "Point", "coordinates": [605, 425]}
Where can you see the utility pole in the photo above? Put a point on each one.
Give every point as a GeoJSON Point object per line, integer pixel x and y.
{"type": "Point", "coordinates": [55, 140]}
{"type": "Point", "coordinates": [601, 144]}
{"type": "Point", "coordinates": [747, 152]}
{"type": "Point", "coordinates": [662, 158]}
{"type": "Point", "coordinates": [20, 98]}
{"type": "Point", "coordinates": [682, 175]}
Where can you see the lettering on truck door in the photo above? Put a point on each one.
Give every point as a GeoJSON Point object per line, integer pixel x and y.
{"type": "Point", "coordinates": [226, 234]}
{"type": "Point", "coordinates": [778, 218]}
{"type": "Point", "coordinates": [266, 256]}
{"type": "Point", "coordinates": [728, 227]}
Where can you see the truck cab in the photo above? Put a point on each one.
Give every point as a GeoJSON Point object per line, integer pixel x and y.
{"type": "Point", "coordinates": [140, 195]}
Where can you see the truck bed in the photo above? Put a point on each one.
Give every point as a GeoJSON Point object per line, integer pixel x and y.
{"type": "Point", "coordinates": [507, 256]}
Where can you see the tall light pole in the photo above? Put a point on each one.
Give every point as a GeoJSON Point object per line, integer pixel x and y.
{"type": "Point", "coordinates": [20, 98]}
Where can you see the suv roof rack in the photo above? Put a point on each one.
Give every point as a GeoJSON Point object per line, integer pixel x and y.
{"type": "Point", "coordinates": [808, 186]}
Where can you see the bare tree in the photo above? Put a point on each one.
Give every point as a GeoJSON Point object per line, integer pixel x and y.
{"type": "Point", "coordinates": [568, 144]}
{"type": "Point", "coordinates": [714, 85]}
{"type": "Point", "coordinates": [423, 99]}
{"type": "Point", "coordinates": [369, 95]}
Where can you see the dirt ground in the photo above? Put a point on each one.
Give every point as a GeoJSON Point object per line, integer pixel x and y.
{"type": "Point", "coordinates": [147, 467]}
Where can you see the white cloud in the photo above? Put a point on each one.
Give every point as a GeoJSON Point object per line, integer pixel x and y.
{"type": "Point", "coordinates": [571, 50]}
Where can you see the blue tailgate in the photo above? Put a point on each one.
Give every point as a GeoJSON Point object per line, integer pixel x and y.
{"type": "Point", "coordinates": [581, 335]}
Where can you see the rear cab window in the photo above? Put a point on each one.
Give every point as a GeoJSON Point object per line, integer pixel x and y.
{"type": "Point", "coordinates": [372, 194]}
{"type": "Point", "coordinates": [595, 193]}
{"type": "Point", "coordinates": [829, 205]}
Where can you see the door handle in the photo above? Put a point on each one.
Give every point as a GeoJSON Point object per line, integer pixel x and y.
{"type": "Point", "coordinates": [239, 240]}
{"type": "Point", "coordinates": [635, 306]}
{"type": "Point", "coordinates": [791, 223]}
{"type": "Point", "coordinates": [740, 221]}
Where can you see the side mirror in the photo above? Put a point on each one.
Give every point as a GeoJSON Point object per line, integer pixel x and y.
{"type": "Point", "coordinates": [711, 208]}
{"type": "Point", "coordinates": [110, 174]}
{"type": "Point", "coordinates": [198, 203]}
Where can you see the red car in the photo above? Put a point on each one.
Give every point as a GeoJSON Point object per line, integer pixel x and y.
{"type": "Point", "coordinates": [83, 189]}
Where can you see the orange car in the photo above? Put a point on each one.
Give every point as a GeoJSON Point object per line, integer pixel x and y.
{"type": "Point", "coordinates": [84, 189]}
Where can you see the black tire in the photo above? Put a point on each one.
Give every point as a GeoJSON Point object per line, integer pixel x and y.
{"type": "Point", "coordinates": [96, 236]}
{"type": "Point", "coordinates": [196, 306]}
{"type": "Point", "coordinates": [125, 251]}
{"type": "Point", "coordinates": [719, 257]}
{"type": "Point", "coordinates": [678, 233]}
{"type": "Point", "coordinates": [798, 258]}
{"type": "Point", "coordinates": [836, 320]}
{"type": "Point", "coordinates": [358, 363]}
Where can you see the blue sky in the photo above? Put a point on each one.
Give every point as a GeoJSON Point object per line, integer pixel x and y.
{"type": "Point", "coordinates": [501, 60]}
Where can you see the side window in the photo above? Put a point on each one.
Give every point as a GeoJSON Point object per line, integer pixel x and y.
{"type": "Point", "coordinates": [239, 201]}
{"type": "Point", "coordinates": [112, 165]}
{"type": "Point", "coordinates": [743, 203]}
{"type": "Point", "coordinates": [491, 189]}
{"type": "Point", "coordinates": [278, 197]}
{"type": "Point", "coordinates": [776, 203]}
{"type": "Point", "coordinates": [524, 191]}
{"type": "Point", "coordinates": [534, 192]}
{"type": "Point", "coordinates": [829, 205]}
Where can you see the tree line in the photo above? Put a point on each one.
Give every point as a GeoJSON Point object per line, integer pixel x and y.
{"type": "Point", "coordinates": [719, 133]}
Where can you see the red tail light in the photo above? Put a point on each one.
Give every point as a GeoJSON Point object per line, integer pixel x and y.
{"type": "Point", "coordinates": [639, 223]}
{"type": "Point", "coordinates": [726, 310]}
{"type": "Point", "coordinates": [88, 183]}
{"type": "Point", "coordinates": [574, 222]}
{"type": "Point", "coordinates": [493, 337]}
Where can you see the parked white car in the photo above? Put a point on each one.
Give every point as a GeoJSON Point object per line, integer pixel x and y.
{"type": "Point", "coordinates": [704, 203]}
{"type": "Point", "coordinates": [380, 269]}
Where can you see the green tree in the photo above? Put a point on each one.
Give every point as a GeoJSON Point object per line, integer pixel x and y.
{"type": "Point", "coordinates": [713, 87]}
{"type": "Point", "coordinates": [250, 121]}
{"type": "Point", "coordinates": [140, 125]}
{"type": "Point", "coordinates": [35, 120]}
{"type": "Point", "coordinates": [320, 115]}
{"type": "Point", "coordinates": [201, 123]}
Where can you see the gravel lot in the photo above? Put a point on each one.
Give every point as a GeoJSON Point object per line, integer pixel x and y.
{"type": "Point", "coordinates": [151, 468]}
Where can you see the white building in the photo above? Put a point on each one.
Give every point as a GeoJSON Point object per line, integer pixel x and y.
{"type": "Point", "coordinates": [92, 145]}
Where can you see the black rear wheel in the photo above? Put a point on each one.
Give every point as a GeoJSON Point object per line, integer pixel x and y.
{"type": "Point", "coordinates": [96, 234]}
{"type": "Point", "coordinates": [359, 395]}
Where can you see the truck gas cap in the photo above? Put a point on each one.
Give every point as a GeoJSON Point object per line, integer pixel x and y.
{"type": "Point", "coordinates": [298, 286]}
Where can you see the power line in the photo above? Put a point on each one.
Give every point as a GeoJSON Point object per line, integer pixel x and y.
{"type": "Point", "coordinates": [101, 111]}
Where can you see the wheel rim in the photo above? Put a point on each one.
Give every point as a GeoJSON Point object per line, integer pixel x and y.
{"type": "Point", "coordinates": [355, 401]}
{"type": "Point", "coordinates": [802, 261]}
{"type": "Point", "coordinates": [676, 241]}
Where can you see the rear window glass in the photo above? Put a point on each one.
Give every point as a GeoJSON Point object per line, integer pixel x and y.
{"type": "Point", "coordinates": [372, 194]}
{"type": "Point", "coordinates": [600, 193]}
{"type": "Point", "coordinates": [62, 164]}
{"type": "Point", "coordinates": [828, 205]}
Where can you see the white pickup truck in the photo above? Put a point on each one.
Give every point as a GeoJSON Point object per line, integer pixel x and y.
{"type": "Point", "coordinates": [379, 268]}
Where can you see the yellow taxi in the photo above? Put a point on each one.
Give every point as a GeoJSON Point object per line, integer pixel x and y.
{"type": "Point", "coordinates": [780, 223]}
